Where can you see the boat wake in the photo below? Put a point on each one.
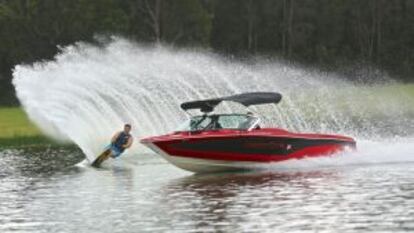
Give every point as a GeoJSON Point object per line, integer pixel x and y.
{"type": "Point", "coordinates": [87, 92]}
{"type": "Point", "coordinates": [369, 153]}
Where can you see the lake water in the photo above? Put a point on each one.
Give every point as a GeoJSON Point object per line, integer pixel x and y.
{"type": "Point", "coordinates": [53, 191]}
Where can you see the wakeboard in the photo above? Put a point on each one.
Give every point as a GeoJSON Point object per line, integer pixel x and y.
{"type": "Point", "coordinates": [102, 157]}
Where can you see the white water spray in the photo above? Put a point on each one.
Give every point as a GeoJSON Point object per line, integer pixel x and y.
{"type": "Point", "coordinates": [87, 93]}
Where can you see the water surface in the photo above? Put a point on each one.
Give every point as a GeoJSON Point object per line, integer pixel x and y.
{"type": "Point", "coordinates": [49, 191]}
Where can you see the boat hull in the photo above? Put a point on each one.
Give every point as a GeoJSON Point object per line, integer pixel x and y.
{"type": "Point", "coordinates": [198, 165]}
{"type": "Point", "coordinates": [223, 151]}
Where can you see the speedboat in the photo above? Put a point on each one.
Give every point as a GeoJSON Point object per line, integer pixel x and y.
{"type": "Point", "coordinates": [213, 142]}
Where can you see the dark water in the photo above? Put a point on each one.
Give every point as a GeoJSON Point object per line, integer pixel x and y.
{"type": "Point", "coordinates": [45, 191]}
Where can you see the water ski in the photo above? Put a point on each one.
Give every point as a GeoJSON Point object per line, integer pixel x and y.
{"type": "Point", "coordinates": [102, 157]}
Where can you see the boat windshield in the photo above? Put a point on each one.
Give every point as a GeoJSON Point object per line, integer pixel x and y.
{"type": "Point", "coordinates": [216, 122]}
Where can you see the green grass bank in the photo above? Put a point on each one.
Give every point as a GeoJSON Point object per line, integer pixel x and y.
{"type": "Point", "coordinates": [16, 130]}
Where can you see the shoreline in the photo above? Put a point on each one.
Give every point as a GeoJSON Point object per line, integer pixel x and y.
{"type": "Point", "coordinates": [39, 141]}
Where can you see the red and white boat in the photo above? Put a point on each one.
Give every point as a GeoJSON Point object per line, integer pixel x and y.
{"type": "Point", "coordinates": [223, 142]}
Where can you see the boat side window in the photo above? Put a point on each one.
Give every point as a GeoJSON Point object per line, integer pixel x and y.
{"type": "Point", "coordinates": [248, 122]}
{"type": "Point", "coordinates": [242, 122]}
{"type": "Point", "coordinates": [229, 121]}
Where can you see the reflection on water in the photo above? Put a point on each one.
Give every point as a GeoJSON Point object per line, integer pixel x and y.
{"type": "Point", "coordinates": [239, 201]}
{"type": "Point", "coordinates": [45, 191]}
